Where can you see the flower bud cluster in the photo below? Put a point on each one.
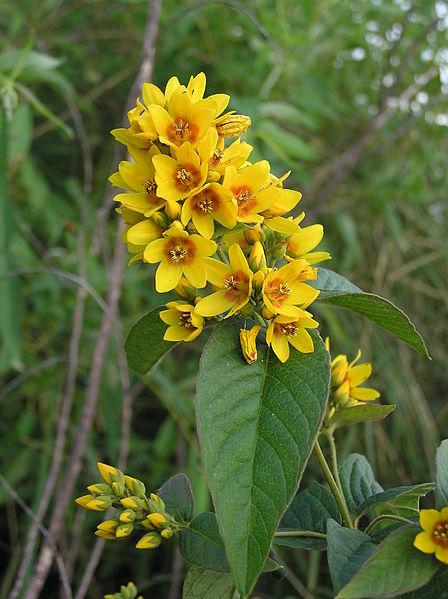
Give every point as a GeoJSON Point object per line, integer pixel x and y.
{"type": "Point", "coordinates": [213, 221]}
{"type": "Point", "coordinates": [136, 511]}
{"type": "Point", "coordinates": [126, 592]}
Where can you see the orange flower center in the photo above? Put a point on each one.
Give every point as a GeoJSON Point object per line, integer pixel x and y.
{"type": "Point", "coordinates": [440, 533]}
{"type": "Point", "coordinates": [151, 188]}
{"type": "Point", "coordinates": [186, 177]}
{"type": "Point", "coordinates": [244, 198]}
{"type": "Point", "coordinates": [231, 283]}
{"type": "Point", "coordinates": [181, 130]}
{"type": "Point", "coordinates": [178, 253]}
{"type": "Point", "coordinates": [277, 291]}
{"type": "Point", "coordinates": [180, 250]}
{"type": "Point", "coordinates": [206, 202]}
{"type": "Point", "coordinates": [236, 285]}
{"type": "Point", "coordinates": [216, 158]}
{"type": "Point", "coordinates": [289, 329]}
{"type": "Point", "coordinates": [185, 320]}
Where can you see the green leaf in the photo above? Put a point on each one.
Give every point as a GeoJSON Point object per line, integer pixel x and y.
{"type": "Point", "coordinates": [178, 497]}
{"type": "Point", "coordinates": [36, 61]}
{"type": "Point", "coordinates": [257, 425]}
{"type": "Point", "coordinates": [395, 497]}
{"type": "Point", "coordinates": [309, 511]}
{"type": "Point", "coordinates": [358, 482]}
{"type": "Point", "coordinates": [290, 143]}
{"type": "Point", "coordinates": [436, 587]}
{"type": "Point", "coordinates": [442, 474]}
{"type": "Point", "coordinates": [201, 544]}
{"type": "Point", "coordinates": [396, 567]}
{"type": "Point", "coordinates": [347, 550]}
{"type": "Point", "coordinates": [360, 413]}
{"type": "Point", "coordinates": [145, 345]}
{"type": "Point", "coordinates": [339, 291]}
{"type": "Point", "coordinates": [200, 583]}
{"type": "Point", "coordinates": [20, 132]}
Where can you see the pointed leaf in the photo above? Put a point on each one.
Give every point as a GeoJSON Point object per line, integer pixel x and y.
{"type": "Point", "coordinates": [201, 544]}
{"type": "Point", "coordinates": [396, 567]}
{"type": "Point", "coordinates": [436, 587]}
{"type": "Point", "coordinates": [442, 474]}
{"type": "Point", "coordinates": [178, 497]}
{"type": "Point", "coordinates": [339, 291]}
{"type": "Point", "coordinates": [309, 511]}
{"type": "Point", "coordinates": [200, 583]}
{"type": "Point", "coordinates": [257, 425]}
{"type": "Point", "coordinates": [358, 482]}
{"type": "Point", "coordinates": [360, 413]}
{"type": "Point", "coordinates": [347, 550]}
{"type": "Point", "coordinates": [395, 497]}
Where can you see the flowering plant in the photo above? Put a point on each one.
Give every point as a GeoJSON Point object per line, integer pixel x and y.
{"type": "Point", "coordinates": [235, 261]}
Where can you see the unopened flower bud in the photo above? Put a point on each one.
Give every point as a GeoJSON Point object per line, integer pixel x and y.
{"type": "Point", "coordinates": [167, 533]}
{"type": "Point", "coordinates": [135, 486]}
{"type": "Point", "coordinates": [258, 279]}
{"type": "Point", "coordinates": [185, 289]}
{"type": "Point", "coordinates": [151, 540]}
{"type": "Point", "coordinates": [157, 519]}
{"type": "Point", "coordinates": [100, 504]}
{"type": "Point", "coordinates": [118, 489]}
{"type": "Point", "coordinates": [248, 343]}
{"type": "Point", "coordinates": [232, 125]}
{"type": "Point", "coordinates": [100, 489]}
{"type": "Point", "coordinates": [105, 535]}
{"type": "Point", "coordinates": [173, 211]}
{"type": "Point", "coordinates": [108, 526]}
{"type": "Point", "coordinates": [127, 516]}
{"type": "Point", "coordinates": [133, 503]}
{"type": "Point", "coordinates": [161, 219]}
{"type": "Point", "coordinates": [257, 258]}
{"type": "Point", "coordinates": [124, 530]}
{"type": "Point", "coordinates": [266, 313]}
{"type": "Point", "coordinates": [84, 500]}
{"type": "Point", "coordinates": [158, 502]}
{"type": "Point", "coordinates": [110, 474]}
{"type": "Point", "coordinates": [254, 234]}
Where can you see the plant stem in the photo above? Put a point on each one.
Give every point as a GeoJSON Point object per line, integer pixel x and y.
{"type": "Point", "coordinates": [334, 460]}
{"type": "Point", "coordinates": [298, 585]}
{"type": "Point", "coordinates": [340, 499]}
{"type": "Point", "coordinates": [300, 533]}
{"type": "Point", "coordinates": [386, 517]}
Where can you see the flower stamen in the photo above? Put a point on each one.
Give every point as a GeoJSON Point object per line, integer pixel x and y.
{"type": "Point", "coordinates": [178, 253]}
{"type": "Point", "coordinates": [231, 283]}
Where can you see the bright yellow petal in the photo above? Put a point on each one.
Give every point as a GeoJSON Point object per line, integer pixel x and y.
{"type": "Point", "coordinates": [428, 518]}
{"type": "Point", "coordinates": [143, 232]}
{"type": "Point", "coordinates": [204, 224]}
{"type": "Point", "coordinates": [155, 251]}
{"type": "Point", "coordinates": [214, 304]}
{"type": "Point", "coordinates": [176, 333]}
{"type": "Point", "coordinates": [358, 374]}
{"type": "Point", "coordinates": [442, 554]}
{"type": "Point", "coordinates": [196, 273]}
{"type": "Point", "coordinates": [216, 271]}
{"type": "Point", "coordinates": [206, 247]}
{"type": "Point", "coordinates": [444, 513]}
{"type": "Point", "coordinates": [280, 346]}
{"type": "Point", "coordinates": [168, 275]}
{"type": "Point", "coordinates": [170, 316]}
{"type": "Point", "coordinates": [302, 341]}
{"type": "Point", "coordinates": [152, 94]}
{"type": "Point", "coordinates": [237, 259]}
{"type": "Point", "coordinates": [364, 393]}
{"type": "Point", "coordinates": [423, 542]}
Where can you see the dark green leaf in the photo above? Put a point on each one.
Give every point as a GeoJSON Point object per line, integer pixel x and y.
{"type": "Point", "coordinates": [257, 425]}
{"type": "Point", "coordinates": [396, 567]}
{"type": "Point", "coordinates": [442, 474]}
{"type": "Point", "coordinates": [178, 497]}
{"type": "Point", "coordinates": [396, 496]}
{"type": "Point", "coordinates": [437, 587]}
{"type": "Point", "coordinates": [201, 544]}
{"type": "Point", "coordinates": [347, 550]}
{"type": "Point", "coordinates": [360, 413]}
{"type": "Point", "coordinates": [338, 291]}
{"type": "Point", "coordinates": [358, 482]}
{"type": "Point", "coordinates": [309, 510]}
{"type": "Point", "coordinates": [145, 345]}
{"type": "Point", "coordinates": [200, 583]}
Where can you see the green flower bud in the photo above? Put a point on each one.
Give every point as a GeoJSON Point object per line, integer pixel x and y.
{"type": "Point", "coordinates": [100, 489]}
{"type": "Point", "coordinates": [149, 541]}
{"type": "Point", "coordinates": [118, 488]}
{"type": "Point", "coordinates": [128, 516]}
{"type": "Point", "coordinates": [133, 503]}
{"type": "Point", "coordinates": [124, 530]}
{"type": "Point", "coordinates": [135, 486]}
{"type": "Point", "coordinates": [167, 533]}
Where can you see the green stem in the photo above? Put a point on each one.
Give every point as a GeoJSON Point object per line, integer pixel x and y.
{"type": "Point", "coordinates": [334, 460]}
{"type": "Point", "coordinates": [386, 517]}
{"type": "Point", "coordinates": [340, 500]}
{"type": "Point", "coordinates": [260, 320]}
{"type": "Point", "coordinates": [300, 533]}
{"type": "Point", "coordinates": [222, 255]}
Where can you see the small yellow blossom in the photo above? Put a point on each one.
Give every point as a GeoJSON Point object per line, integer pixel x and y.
{"type": "Point", "coordinates": [149, 541]}
{"type": "Point", "coordinates": [157, 519]}
{"type": "Point", "coordinates": [110, 474]}
{"type": "Point", "coordinates": [185, 324]}
{"type": "Point", "coordinates": [248, 338]}
{"type": "Point", "coordinates": [212, 202]}
{"type": "Point", "coordinates": [234, 283]}
{"type": "Point", "coordinates": [232, 125]}
{"type": "Point", "coordinates": [179, 253]}
{"type": "Point", "coordinates": [301, 244]}
{"type": "Point", "coordinates": [346, 379]}
{"type": "Point", "coordinates": [434, 538]}
{"type": "Point", "coordinates": [285, 330]}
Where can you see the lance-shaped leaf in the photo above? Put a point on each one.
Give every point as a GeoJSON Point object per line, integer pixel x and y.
{"type": "Point", "coordinates": [360, 413]}
{"type": "Point", "coordinates": [396, 498]}
{"type": "Point", "coordinates": [178, 497]}
{"type": "Point", "coordinates": [339, 291]}
{"type": "Point", "coordinates": [358, 482]}
{"type": "Point", "coordinates": [257, 425]}
{"type": "Point", "coordinates": [442, 474]}
{"type": "Point", "coordinates": [145, 345]}
{"type": "Point", "coordinates": [200, 583]}
{"type": "Point", "coordinates": [309, 511]}
{"type": "Point", "coordinates": [201, 544]}
{"type": "Point", "coordinates": [395, 567]}
{"type": "Point", "coordinates": [436, 587]}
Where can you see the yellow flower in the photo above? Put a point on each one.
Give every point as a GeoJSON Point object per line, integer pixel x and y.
{"type": "Point", "coordinates": [138, 178]}
{"type": "Point", "coordinates": [346, 379]}
{"type": "Point", "coordinates": [246, 186]}
{"type": "Point", "coordinates": [284, 291]}
{"type": "Point", "coordinates": [434, 538]}
{"type": "Point", "coordinates": [185, 324]}
{"type": "Point", "coordinates": [149, 541]}
{"type": "Point", "coordinates": [220, 157]}
{"type": "Point", "coordinates": [179, 253]}
{"type": "Point", "coordinates": [231, 125]}
{"type": "Point", "coordinates": [180, 177]}
{"type": "Point", "coordinates": [248, 340]}
{"type": "Point", "coordinates": [212, 202]}
{"type": "Point", "coordinates": [157, 519]}
{"type": "Point", "coordinates": [110, 474]}
{"type": "Point", "coordinates": [216, 102]}
{"type": "Point", "coordinates": [183, 120]}
{"type": "Point", "coordinates": [301, 244]}
{"type": "Point", "coordinates": [234, 282]}
{"type": "Point", "coordinates": [284, 331]}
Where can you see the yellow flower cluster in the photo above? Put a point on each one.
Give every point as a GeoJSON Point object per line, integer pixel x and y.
{"type": "Point", "coordinates": [212, 220]}
{"type": "Point", "coordinates": [346, 378]}
{"type": "Point", "coordinates": [137, 511]}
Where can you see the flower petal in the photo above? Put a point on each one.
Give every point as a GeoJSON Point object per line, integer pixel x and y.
{"type": "Point", "coordinates": [302, 341]}
{"type": "Point", "coordinates": [358, 374]}
{"type": "Point", "coordinates": [428, 518]}
{"type": "Point", "coordinates": [423, 542]}
{"type": "Point", "coordinates": [364, 393]}
{"type": "Point", "coordinates": [214, 304]}
{"type": "Point", "coordinates": [168, 275]}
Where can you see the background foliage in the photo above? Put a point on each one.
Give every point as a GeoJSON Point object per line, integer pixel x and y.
{"type": "Point", "coordinates": [351, 96]}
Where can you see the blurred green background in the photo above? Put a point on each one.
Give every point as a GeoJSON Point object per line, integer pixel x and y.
{"type": "Point", "coordinates": [352, 96]}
